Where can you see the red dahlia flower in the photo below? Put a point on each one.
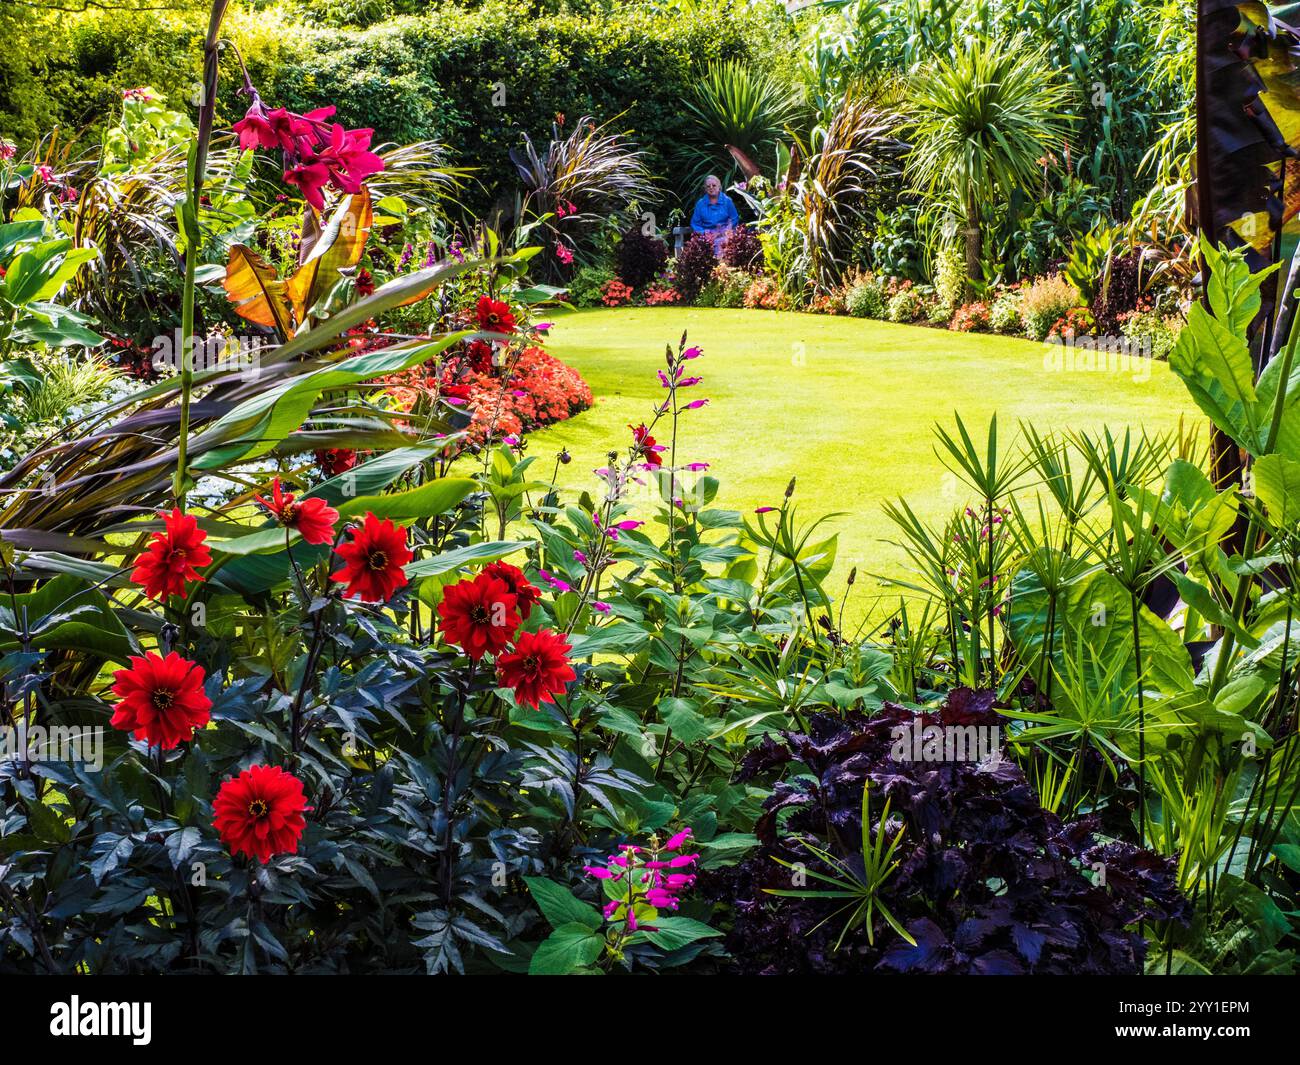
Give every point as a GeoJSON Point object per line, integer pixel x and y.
{"type": "Point", "coordinates": [313, 518]}
{"type": "Point", "coordinates": [162, 699]}
{"type": "Point", "coordinates": [494, 316]}
{"type": "Point", "coordinates": [479, 616]}
{"type": "Point", "coordinates": [172, 557]}
{"type": "Point", "coordinates": [374, 557]}
{"type": "Point", "coordinates": [526, 595]}
{"type": "Point", "coordinates": [260, 812]}
{"type": "Point", "coordinates": [336, 460]}
{"type": "Point", "coordinates": [537, 667]}
{"type": "Point", "coordinates": [479, 354]}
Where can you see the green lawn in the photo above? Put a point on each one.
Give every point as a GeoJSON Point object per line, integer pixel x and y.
{"type": "Point", "coordinates": [846, 405]}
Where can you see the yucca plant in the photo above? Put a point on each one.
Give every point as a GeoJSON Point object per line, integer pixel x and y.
{"type": "Point", "coordinates": [735, 106]}
{"type": "Point", "coordinates": [982, 121]}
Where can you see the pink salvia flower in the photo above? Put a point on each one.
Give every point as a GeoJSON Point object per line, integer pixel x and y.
{"type": "Point", "coordinates": [675, 842]}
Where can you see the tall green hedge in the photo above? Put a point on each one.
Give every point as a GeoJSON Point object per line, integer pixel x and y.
{"type": "Point", "coordinates": [434, 75]}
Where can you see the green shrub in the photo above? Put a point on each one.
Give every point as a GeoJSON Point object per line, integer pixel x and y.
{"type": "Point", "coordinates": [905, 305]}
{"type": "Point", "coordinates": [1156, 333]}
{"type": "Point", "coordinates": [950, 277]}
{"type": "Point", "coordinates": [726, 287]}
{"type": "Point", "coordinates": [1004, 315]}
{"type": "Point", "coordinates": [866, 299]}
{"type": "Point", "coordinates": [475, 78]}
{"type": "Point", "coordinates": [1043, 302]}
{"type": "Point", "coordinates": [585, 287]}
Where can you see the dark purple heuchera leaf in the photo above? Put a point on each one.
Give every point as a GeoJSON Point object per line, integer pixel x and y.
{"type": "Point", "coordinates": [987, 881]}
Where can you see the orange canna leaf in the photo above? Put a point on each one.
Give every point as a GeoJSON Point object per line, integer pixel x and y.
{"type": "Point", "coordinates": [338, 246]}
{"type": "Point", "coordinates": [257, 293]}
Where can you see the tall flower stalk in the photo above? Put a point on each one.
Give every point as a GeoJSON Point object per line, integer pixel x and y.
{"type": "Point", "coordinates": [189, 217]}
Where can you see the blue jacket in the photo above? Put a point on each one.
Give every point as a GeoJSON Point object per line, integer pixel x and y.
{"type": "Point", "coordinates": [711, 216]}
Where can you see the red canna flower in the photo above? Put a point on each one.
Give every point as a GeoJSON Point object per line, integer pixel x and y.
{"type": "Point", "coordinates": [537, 667]}
{"type": "Point", "coordinates": [260, 812]}
{"type": "Point", "coordinates": [479, 616]}
{"type": "Point", "coordinates": [310, 176]}
{"type": "Point", "coordinates": [349, 159]}
{"type": "Point", "coordinates": [172, 557]}
{"type": "Point", "coordinates": [525, 594]}
{"type": "Point", "coordinates": [313, 518]}
{"type": "Point", "coordinates": [494, 316]}
{"type": "Point", "coordinates": [646, 445]}
{"type": "Point", "coordinates": [162, 699]}
{"type": "Point", "coordinates": [374, 559]}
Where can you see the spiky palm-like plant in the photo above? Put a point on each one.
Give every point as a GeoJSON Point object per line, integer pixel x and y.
{"type": "Point", "coordinates": [983, 120]}
{"type": "Point", "coordinates": [735, 106]}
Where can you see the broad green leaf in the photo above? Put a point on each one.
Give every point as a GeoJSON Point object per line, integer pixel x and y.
{"type": "Point", "coordinates": [569, 948]}
{"type": "Point", "coordinates": [676, 932]}
{"type": "Point", "coordinates": [1214, 363]}
{"type": "Point", "coordinates": [560, 906]}
{"type": "Point", "coordinates": [426, 501]}
{"type": "Point", "coordinates": [474, 554]}
{"type": "Point", "coordinates": [91, 626]}
{"type": "Point", "coordinates": [259, 424]}
{"type": "Point", "coordinates": [1277, 485]}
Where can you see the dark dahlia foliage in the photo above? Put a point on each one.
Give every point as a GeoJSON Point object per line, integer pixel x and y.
{"type": "Point", "coordinates": [987, 881]}
{"type": "Point", "coordinates": [1120, 294]}
{"type": "Point", "coordinates": [695, 266]}
{"type": "Point", "coordinates": [640, 258]}
{"type": "Point", "coordinates": [742, 249]}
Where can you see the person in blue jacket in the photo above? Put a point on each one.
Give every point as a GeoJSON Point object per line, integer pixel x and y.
{"type": "Point", "coordinates": [715, 215]}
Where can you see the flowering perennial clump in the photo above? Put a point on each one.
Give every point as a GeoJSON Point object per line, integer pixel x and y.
{"type": "Point", "coordinates": [645, 881]}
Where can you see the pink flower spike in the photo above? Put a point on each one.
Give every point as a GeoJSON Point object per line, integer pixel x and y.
{"type": "Point", "coordinates": [692, 353]}
{"type": "Point", "coordinates": [598, 871]}
{"type": "Point", "coordinates": [683, 860]}
{"type": "Point", "coordinates": [675, 842]}
{"type": "Point", "coordinates": [764, 510]}
{"type": "Point", "coordinates": [696, 404]}
{"type": "Point", "coordinates": [600, 608]}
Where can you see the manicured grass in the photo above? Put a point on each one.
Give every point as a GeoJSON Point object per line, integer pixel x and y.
{"type": "Point", "coordinates": [846, 405]}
